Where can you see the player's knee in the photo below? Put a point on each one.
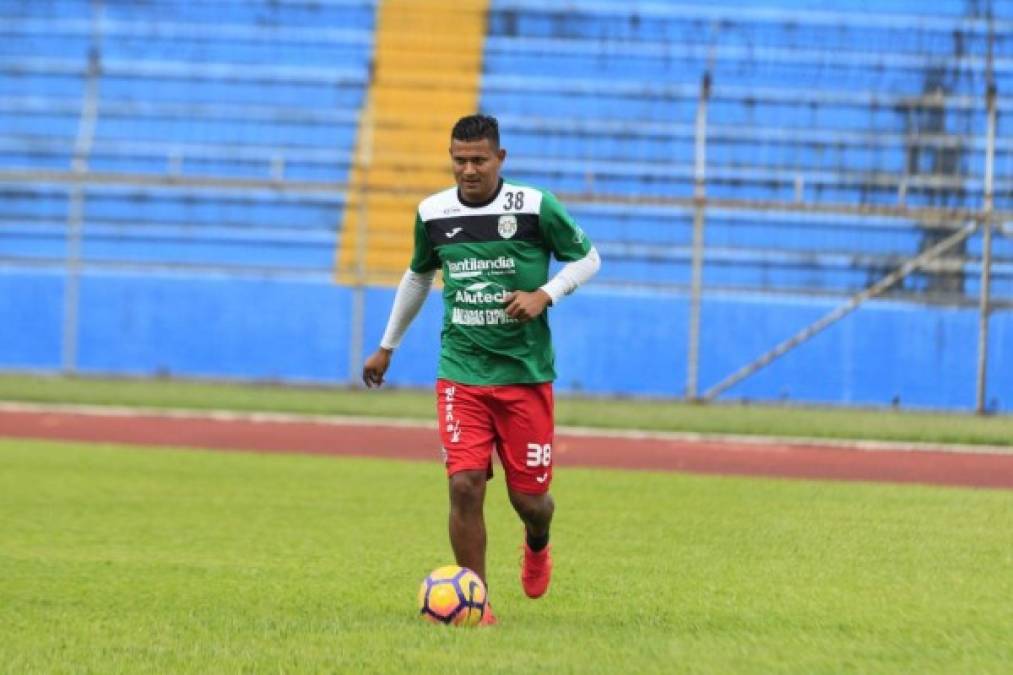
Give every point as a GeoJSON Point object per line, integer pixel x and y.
{"type": "Point", "coordinates": [536, 509]}
{"type": "Point", "coordinates": [467, 490]}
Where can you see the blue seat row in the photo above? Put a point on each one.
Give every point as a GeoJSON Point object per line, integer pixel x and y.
{"type": "Point", "coordinates": [205, 50]}
{"type": "Point", "coordinates": [723, 228]}
{"type": "Point", "coordinates": [729, 106]}
{"type": "Point", "coordinates": [189, 207]}
{"type": "Point", "coordinates": [761, 23]}
{"type": "Point", "coordinates": [756, 270]}
{"type": "Point", "coordinates": [336, 13]}
{"type": "Point", "coordinates": [179, 245]}
{"type": "Point", "coordinates": [341, 13]}
{"type": "Point", "coordinates": [806, 150]}
{"type": "Point", "coordinates": [505, 59]}
{"type": "Point", "coordinates": [261, 169]}
{"type": "Point", "coordinates": [336, 95]}
{"type": "Point", "coordinates": [239, 131]}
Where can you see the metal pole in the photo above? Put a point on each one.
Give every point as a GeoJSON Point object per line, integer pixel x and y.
{"type": "Point", "coordinates": [76, 198]}
{"type": "Point", "coordinates": [696, 273]}
{"type": "Point", "coordinates": [357, 327]}
{"type": "Point", "coordinates": [984, 298]}
{"type": "Point", "coordinates": [983, 314]}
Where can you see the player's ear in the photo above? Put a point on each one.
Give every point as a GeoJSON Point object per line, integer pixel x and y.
{"type": "Point", "coordinates": [501, 154]}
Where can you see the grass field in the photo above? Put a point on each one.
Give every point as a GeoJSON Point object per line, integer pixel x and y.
{"type": "Point", "coordinates": [135, 560]}
{"type": "Point", "coordinates": [934, 427]}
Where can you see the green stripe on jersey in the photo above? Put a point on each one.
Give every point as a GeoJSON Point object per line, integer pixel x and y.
{"type": "Point", "coordinates": [485, 253]}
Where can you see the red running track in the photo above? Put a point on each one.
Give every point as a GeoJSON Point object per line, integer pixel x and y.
{"type": "Point", "coordinates": [376, 439]}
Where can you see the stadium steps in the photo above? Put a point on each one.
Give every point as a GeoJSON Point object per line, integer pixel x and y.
{"type": "Point", "coordinates": [421, 47]}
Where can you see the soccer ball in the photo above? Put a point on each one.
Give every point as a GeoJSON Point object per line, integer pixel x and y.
{"type": "Point", "coordinates": [452, 595]}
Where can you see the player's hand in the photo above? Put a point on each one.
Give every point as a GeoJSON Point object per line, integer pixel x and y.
{"type": "Point", "coordinates": [525, 306]}
{"type": "Point", "coordinates": [376, 366]}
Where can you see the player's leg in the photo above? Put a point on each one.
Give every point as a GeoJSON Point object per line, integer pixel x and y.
{"type": "Point", "coordinates": [467, 436]}
{"type": "Point", "coordinates": [524, 425]}
{"type": "Point", "coordinates": [536, 513]}
{"type": "Point", "coordinates": [467, 520]}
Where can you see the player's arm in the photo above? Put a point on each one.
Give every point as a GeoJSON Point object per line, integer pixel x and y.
{"type": "Point", "coordinates": [408, 300]}
{"type": "Point", "coordinates": [568, 243]}
{"type": "Point", "coordinates": [411, 295]}
{"type": "Point", "coordinates": [528, 305]}
{"type": "Point", "coordinates": [572, 275]}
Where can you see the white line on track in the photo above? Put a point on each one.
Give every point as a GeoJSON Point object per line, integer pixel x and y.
{"type": "Point", "coordinates": [352, 420]}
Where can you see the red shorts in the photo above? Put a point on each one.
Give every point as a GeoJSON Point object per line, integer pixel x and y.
{"type": "Point", "coordinates": [514, 419]}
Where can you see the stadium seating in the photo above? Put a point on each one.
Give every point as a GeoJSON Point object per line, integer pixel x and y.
{"type": "Point", "coordinates": [260, 91]}
{"type": "Point", "coordinates": [228, 137]}
{"type": "Point", "coordinates": [800, 109]}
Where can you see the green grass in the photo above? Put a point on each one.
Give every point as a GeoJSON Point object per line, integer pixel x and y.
{"type": "Point", "coordinates": [607, 413]}
{"type": "Point", "coordinates": [150, 561]}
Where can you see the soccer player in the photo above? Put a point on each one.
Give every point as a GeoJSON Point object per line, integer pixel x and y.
{"type": "Point", "coordinates": [492, 239]}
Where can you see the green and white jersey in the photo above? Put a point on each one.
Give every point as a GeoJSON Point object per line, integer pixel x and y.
{"type": "Point", "coordinates": [485, 251]}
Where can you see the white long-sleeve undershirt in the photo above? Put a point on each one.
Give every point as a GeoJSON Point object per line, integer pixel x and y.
{"type": "Point", "coordinates": [411, 295]}
{"type": "Point", "coordinates": [572, 275]}
{"type": "Point", "coordinates": [414, 288]}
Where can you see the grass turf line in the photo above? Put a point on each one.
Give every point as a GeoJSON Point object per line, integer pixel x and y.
{"type": "Point", "coordinates": [647, 415]}
{"type": "Point", "coordinates": [115, 559]}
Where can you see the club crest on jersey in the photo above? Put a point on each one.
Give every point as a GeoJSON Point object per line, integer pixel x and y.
{"type": "Point", "coordinates": [507, 226]}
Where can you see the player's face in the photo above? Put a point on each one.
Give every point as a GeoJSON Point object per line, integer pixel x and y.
{"type": "Point", "coordinates": [476, 168]}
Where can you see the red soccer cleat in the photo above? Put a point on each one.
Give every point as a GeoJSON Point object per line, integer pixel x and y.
{"type": "Point", "coordinates": [536, 571]}
{"type": "Point", "coordinates": [488, 618]}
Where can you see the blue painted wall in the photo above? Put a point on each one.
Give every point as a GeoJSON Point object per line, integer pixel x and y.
{"type": "Point", "coordinates": [175, 325]}
{"type": "Point", "coordinates": [31, 317]}
{"type": "Point", "coordinates": [607, 341]}
{"type": "Point", "coordinates": [634, 342]}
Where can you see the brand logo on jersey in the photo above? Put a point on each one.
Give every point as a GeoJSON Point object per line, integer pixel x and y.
{"type": "Point", "coordinates": [453, 232]}
{"type": "Point", "coordinates": [473, 267]}
{"type": "Point", "coordinates": [507, 226]}
{"type": "Point", "coordinates": [578, 236]}
{"type": "Point", "coordinates": [475, 294]}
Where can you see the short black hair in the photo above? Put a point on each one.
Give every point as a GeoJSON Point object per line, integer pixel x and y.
{"type": "Point", "coordinates": [475, 128]}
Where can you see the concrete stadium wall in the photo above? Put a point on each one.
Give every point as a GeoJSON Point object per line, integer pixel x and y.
{"type": "Point", "coordinates": [177, 325]}
{"type": "Point", "coordinates": [608, 341]}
